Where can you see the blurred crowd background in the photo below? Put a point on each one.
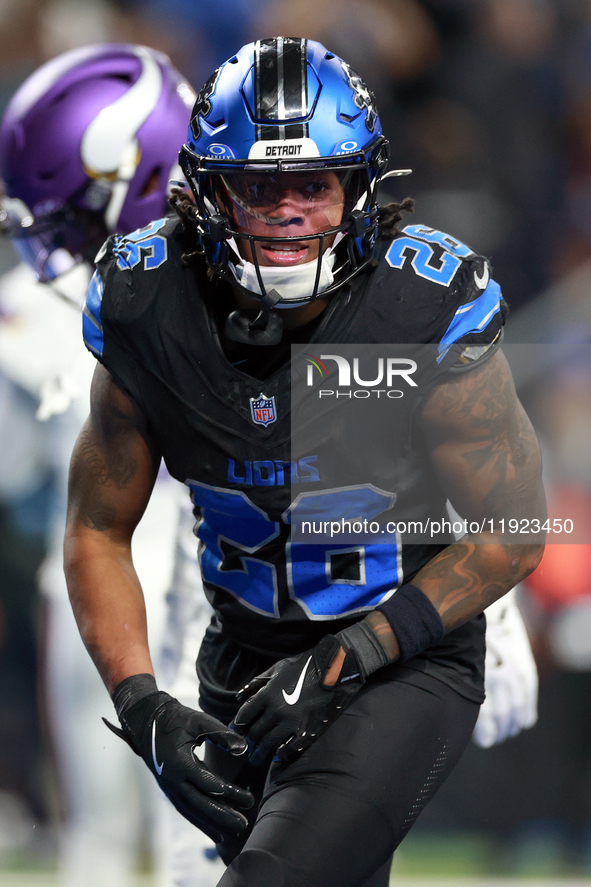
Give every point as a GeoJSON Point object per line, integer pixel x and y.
{"type": "Point", "coordinates": [489, 102]}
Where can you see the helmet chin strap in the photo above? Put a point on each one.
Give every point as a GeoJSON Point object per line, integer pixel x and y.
{"type": "Point", "coordinates": [282, 287]}
{"type": "Point", "coordinates": [256, 327]}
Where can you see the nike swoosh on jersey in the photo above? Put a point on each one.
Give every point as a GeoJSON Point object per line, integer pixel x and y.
{"type": "Point", "coordinates": [158, 767]}
{"type": "Point", "coordinates": [482, 282]}
{"type": "Point", "coordinates": [292, 698]}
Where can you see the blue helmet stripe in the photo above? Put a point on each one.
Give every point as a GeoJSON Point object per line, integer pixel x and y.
{"type": "Point", "coordinates": [473, 317]}
{"type": "Point", "coordinates": [92, 328]}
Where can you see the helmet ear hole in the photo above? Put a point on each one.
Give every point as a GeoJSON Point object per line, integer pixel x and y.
{"type": "Point", "coordinates": [151, 182]}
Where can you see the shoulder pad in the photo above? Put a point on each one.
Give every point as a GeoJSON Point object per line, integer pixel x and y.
{"type": "Point", "coordinates": [127, 264]}
{"type": "Point", "coordinates": [92, 327]}
{"type": "Point", "coordinates": [145, 249]}
{"type": "Point", "coordinates": [462, 305]}
{"type": "Point", "coordinates": [433, 255]}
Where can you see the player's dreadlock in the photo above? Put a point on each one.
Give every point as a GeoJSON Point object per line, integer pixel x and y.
{"type": "Point", "coordinates": [388, 218]}
{"type": "Point", "coordinates": [186, 210]}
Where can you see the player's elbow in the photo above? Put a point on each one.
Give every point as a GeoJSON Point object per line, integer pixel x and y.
{"type": "Point", "coordinates": [522, 560]}
{"type": "Point", "coordinates": [88, 554]}
{"type": "Point", "coordinates": [76, 558]}
{"type": "Point", "coordinates": [532, 558]}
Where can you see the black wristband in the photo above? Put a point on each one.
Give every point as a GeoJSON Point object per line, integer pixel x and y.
{"type": "Point", "coordinates": [414, 620]}
{"type": "Point", "coordinates": [360, 638]}
{"type": "Point", "coordinates": [131, 690]}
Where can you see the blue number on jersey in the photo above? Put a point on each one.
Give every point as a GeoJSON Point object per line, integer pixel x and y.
{"type": "Point", "coordinates": [415, 241]}
{"type": "Point", "coordinates": [229, 517]}
{"type": "Point", "coordinates": [309, 570]}
{"type": "Point", "coordinates": [143, 243]}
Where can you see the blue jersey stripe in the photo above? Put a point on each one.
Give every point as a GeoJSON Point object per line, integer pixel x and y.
{"type": "Point", "coordinates": [92, 328]}
{"type": "Point", "coordinates": [472, 317]}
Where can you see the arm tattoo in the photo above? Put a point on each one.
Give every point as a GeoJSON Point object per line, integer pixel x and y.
{"type": "Point", "coordinates": [99, 469]}
{"type": "Point", "coordinates": [106, 469]}
{"type": "Point", "coordinates": [100, 519]}
{"type": "Point", "coordinates": [114, 463]}
{"type": "Point", "coordinates": [383, 632]}
{"type": "Point", "coordinates": [487, 455]}
{"type": "Point", "coordinates": [467, 577]}
{"type": "Point", "coordinates": [496, 445]}
{"type": "Point", "coordinates": [485, 452]}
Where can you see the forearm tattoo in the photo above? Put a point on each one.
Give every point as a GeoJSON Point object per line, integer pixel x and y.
{"type": "Point", "coordinates": [465, 578]}
{"type": "Point", "coordinates": [487, 456]}
{"type": "Point", "coordinates": [384, 634]}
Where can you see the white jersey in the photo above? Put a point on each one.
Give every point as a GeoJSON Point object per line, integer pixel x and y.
{"type": "Point", "coordinates": [45, 377]}
{"type": "Point", "coordinates": [42, 353]}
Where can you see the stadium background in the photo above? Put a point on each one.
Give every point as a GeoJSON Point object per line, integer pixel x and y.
{"type": "Point", "coordinates": [489, 101]}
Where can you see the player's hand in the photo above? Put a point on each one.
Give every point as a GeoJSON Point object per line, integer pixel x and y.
{"type": "Point", "coordinates": [510, 676]}
{"type": "Point", "coordinates": [165, 734]}
{"type": "Point", "coordinates": [287, 707]}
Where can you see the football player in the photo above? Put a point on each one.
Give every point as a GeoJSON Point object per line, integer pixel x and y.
{"type": "Point", "coordinates": [340, 681]}
{"type": "Point", "coordinates": [88, 145]}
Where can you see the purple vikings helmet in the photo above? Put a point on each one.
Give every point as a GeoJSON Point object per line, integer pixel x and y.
{"type": "Point", "coordinates": [284, 105]}
{"type": "Point", "coordinates": [87, 147]}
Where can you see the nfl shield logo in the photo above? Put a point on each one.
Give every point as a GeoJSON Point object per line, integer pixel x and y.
{"type": "Point", "coordinates": [262, 410]}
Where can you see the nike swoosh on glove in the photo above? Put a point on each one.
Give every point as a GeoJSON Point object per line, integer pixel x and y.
{"type": "Point", "coordinates": [165, 734]}
{"type": "Point", "coordinates": [287, 707]}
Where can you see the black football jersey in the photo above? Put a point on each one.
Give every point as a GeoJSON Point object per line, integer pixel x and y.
{"type": "Point", "coordinates": [268, 458]}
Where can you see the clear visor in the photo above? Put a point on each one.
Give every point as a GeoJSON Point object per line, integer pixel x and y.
{"type": "Point", "coordinates": [319, 199]}
{"type": "Point", "coordinates": [39, 243]}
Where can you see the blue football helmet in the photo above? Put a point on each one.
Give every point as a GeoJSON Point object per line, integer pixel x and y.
{"type": "Point", "coordinates": [285, 110]}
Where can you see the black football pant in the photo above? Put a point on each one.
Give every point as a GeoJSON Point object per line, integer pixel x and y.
{"type": "Point", "coordinates": [334, 817]}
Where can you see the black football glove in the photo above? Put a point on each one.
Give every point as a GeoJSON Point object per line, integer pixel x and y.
{"type": "Point", "coordinates": [165, 734]}
{"type": "Point", "coordinates": [287, 707]}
